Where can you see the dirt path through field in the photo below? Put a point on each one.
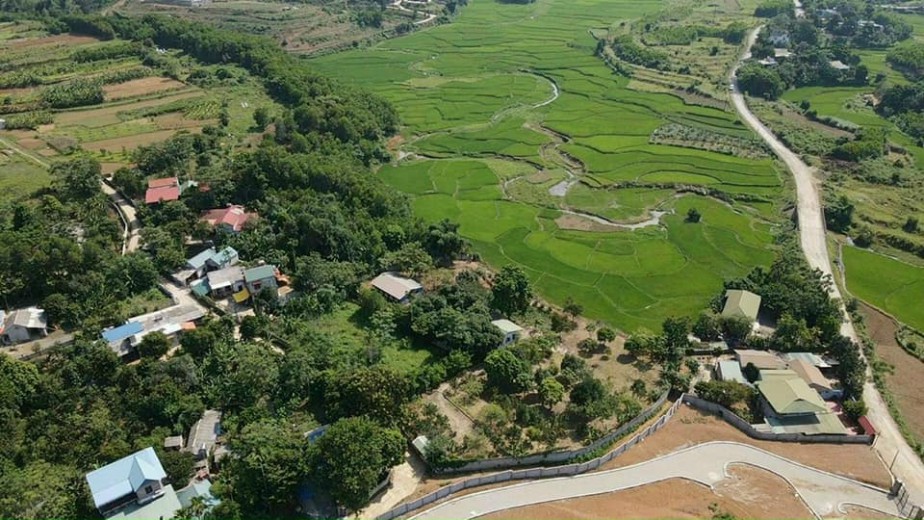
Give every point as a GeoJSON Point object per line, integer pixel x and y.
{"type": "Point", "coordinates": [459, 422]}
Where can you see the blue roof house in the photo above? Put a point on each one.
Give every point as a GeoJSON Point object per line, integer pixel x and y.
{"type": "Point", "coordinates": [133, 488]}
{"type": "Point", "coordinates": [121, 339]}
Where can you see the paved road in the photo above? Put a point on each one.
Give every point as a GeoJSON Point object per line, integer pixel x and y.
{"type": "Point", "coordinates": [824, 493]}
{"type": "Point", "coordinates": [812, 236]}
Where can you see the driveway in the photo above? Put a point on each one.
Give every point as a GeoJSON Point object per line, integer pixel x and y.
{"type": "Point", "coordinates": [824, 493]}
{"type": "Point", "coordinates": [890, 444]}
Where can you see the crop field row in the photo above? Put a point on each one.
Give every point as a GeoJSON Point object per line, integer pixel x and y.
{"type": "Point", "coordinates": [141, 106]}
{"type": "Point", "coordinates": [900, 293]}
{"type": "Point", "coordinates": [482, 87]}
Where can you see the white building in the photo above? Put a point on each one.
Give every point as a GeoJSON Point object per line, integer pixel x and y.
{"type": "Point", "coordinates": [23, 325]}
{"type": "Point", "coordinates": [511, 330]}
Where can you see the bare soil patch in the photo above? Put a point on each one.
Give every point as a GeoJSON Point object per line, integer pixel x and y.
{"type": "Point", "coordinates": [133, 141]}
{"type": "Point", "coordinates": [138, 87]}
{"type": "Point", "coordinates": [748, 493]}
{"type": "Point", "coordinates": [177, 121]}
{"type": "Point", "coordinates": [690, 427]}
{"type": "Point", "coordinates": [57, 40]}
{"type": "Point", "coordinates": [857, 512]}
{"type": "Point", "coordinates": [108, 168]}
{"type": "Point", "coordinates": [576, 223]}
{"type": "Point", "coordinates": [108, 114]}
{"type": "Point", "coordinates": [906, 381]}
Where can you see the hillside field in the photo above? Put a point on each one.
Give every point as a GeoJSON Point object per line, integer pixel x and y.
{"type": "Point", "coordinates": [891, 285]}
{"type": "Point", "coordinates": [544, 155]}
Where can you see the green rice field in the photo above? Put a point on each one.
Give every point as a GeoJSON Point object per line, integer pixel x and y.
{"type": "Point", "coordinates": [892, 285]}
{"type": "Point", "coordinates": [509, 100]}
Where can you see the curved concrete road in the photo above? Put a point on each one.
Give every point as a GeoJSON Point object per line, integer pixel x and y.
{"type": "Point", "coordinates": [890, 444]}
{"type": "Point", "coordinates": [824, 493]}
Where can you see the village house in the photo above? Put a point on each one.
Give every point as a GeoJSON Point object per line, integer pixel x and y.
{"type": "Point", "coordinates": [170, 322]}
{"type": "Point", "coordinates": [23, 325]}
{"type": "Point", "coordinates": [133, 487]}
{"type": "Point", "coordinates": [398, 288]}
{"type": "Point", "coordinates": [761, 359]}
{"type": "Point", "coordinates": [203, 436]}
{"type": "Point", "coordinates": [205, 261]}
{"type": "Point", "coordinates": [261, 277]}
{"type": "Point", "coordinates": [511, 331]}
{"type": "Point", "coordinates": [224, 282]}
{"type": "Point", "coordinates": [230, 219]}
{"type": "Point", "coordinates": [791, 406]}
{"type": "Point", "coordinates": [815, 379]}
{"type": "Point", "coordinates": [162, 190]}
{"type": "Point", "coordinates": [741, 303]}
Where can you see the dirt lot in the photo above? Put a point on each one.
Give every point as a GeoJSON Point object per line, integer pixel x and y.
{"type": "Point", "coordinates": [59, 40]}
{"type": "Point", "coordinates": [690, 427]}
{"type": "Point", "coordinates": [108, 114]}
{"type": "Point", "coordinates": [907, 380]}
{"type": "Point", "coordinates": [138, 87]}
{"type": "Point", "coordinates": [177, 121]}
{"type": "Point", "coordinates": [749, 493]}
{"type": "Point", "coordinates": [133, 141]}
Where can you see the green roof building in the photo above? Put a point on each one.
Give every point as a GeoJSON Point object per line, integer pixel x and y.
{"type": "Point", "coordinates": [741, 303]}
{"type": "Point", "coordinates": [791, 396]}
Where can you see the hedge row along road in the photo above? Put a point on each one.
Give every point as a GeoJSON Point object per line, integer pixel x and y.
{"type": "Point", "coordinates": [890, 444]}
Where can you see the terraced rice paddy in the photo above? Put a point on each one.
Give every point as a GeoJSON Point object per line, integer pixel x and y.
{"type": "Point", "coordinates": [493, 135]}
{"type": "Point", "coordinates": [891, 285]}
{"type": "Point", "coordinates": [138, 109]}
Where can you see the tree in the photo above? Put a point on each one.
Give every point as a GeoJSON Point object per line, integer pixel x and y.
{"type": "Point", "coordinates": [154, 345]}
{"type": "Point", "coordinates": [855, 408]}
{"type": "Point", "coordinates": [750, 372]}
{"type": "Point", "coordinates": [839, 214]}
{"type": "Point", "coordinates": [512, 291]}
{"type": "Point", "coordinates": [551, 392]}
{"type": "Point", "coordinates": [178, 465]}
{"type": "Point", "coordinates": [268, 464]}
{"type": "Point", "coordinates": [675, 340]}
{"type": "Point", "coordinates": [572, 307]}
{"type": "Point", "coordinates": [261, 118]}
{"type": "Point", "coordinates": [588, 346]}
{"type": "Point", "coordinates": [707, 327]}
{"type": "Point", "coordinates": [77, 179]}
{"type": "Point", "coordinates": [444, 242]}
{"type": "Point", "coordinates": [757, 80]}
{"type": "Point", "coordinates": [911, 225]}
{"type": "Point", "coordinates": [638, 387]}
{"type": "Point", "coordinates": [376, 392]}
{"type": "Point", "coordinates": [41, 490]}
{"type": "Point", "coordinates": [589, 390]}
{"type": "Point", "coordinates": [507, 372]}
{"type": "Point", "coordinates": [793, 335]}
{"type": "Point", "coordinates": [693, 215]}
{"type": "Point", "coordinates": [641, 344]}
{"type": "Point", "coordinates": [606, 335]}
{"type": "Point", "coordinates": [411, 260]}
{"type": "Point", "coordinates": [352, 457]}
{"type": "Point", "coordinates": [130, 181]}
{"type": "Point", "coordinates": [725, 393]}
{"type": "Point", "coordinates": [735, 329]}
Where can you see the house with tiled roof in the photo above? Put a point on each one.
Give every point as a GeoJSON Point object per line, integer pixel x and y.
{"type": "Point", "coordinates": [162, 190]}
{"type": "Point", "coordinates": [231, 218]}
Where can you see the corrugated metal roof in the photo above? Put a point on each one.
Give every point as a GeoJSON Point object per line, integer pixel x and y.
{"type": "Point", "coordinates": [741, 303]}
{"type": "Point", "coordinates": [730, 370]}
{"type": "Point", "coordinates": [124, 476]}
{"type": "Point", "coordinates": [507, 326]}
{"type": "Point", "coordinates": [198, 261]}
{"type": "Point", "coordinates": [791, 396]}
{"type": "Point", "coordinates": [395, 286]}
{"type": "Point", "coordinates": [260, 273]}
{"type": "Point", "coordinates": [122, 332]}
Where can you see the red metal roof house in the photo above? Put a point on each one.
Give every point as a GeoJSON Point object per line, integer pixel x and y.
{"type": "Point", "coordinates": [162, 190]}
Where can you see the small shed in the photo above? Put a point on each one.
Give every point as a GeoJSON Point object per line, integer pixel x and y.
{"type": "Point", "coordinates": [730, 370]}
{"type": "Point", "coordinates": [511, 330]}
{"type": "Point", "coordinates": [174, 443]}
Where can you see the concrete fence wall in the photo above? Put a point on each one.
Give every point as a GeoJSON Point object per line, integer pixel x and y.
{"type": "Point", "coordinates": [733, 419]}
{"type": "Point", "coordinates": [556, 471]}
{"type": "Point", "coordinates": [556, 456]}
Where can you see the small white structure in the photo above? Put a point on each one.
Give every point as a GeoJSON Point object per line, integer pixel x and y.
{"type": "Point", "coordinates": [396, 287]}
{"type": "Point", "coordinates": [23, 325]}
{"type": "Point", "coordinates": [839, 65]}
{"type": "Point", "coordinates": [2, 124]}
{"type": "Point", "coordinates": [511, 331]}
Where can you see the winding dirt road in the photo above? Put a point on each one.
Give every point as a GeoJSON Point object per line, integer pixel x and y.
{"type": "Point", "coordinates": [890, 444]}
